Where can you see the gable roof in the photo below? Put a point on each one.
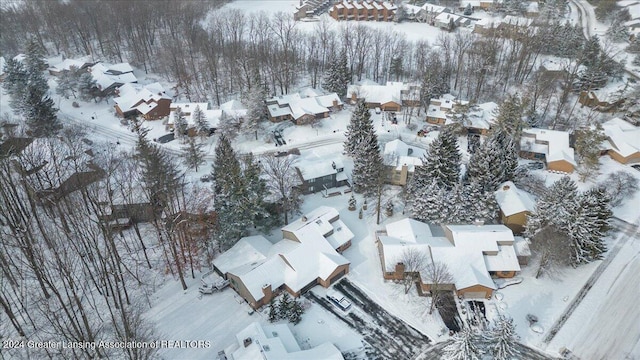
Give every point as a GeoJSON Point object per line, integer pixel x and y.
{"type": "Point", "coordinates": [397, 153]}
{"type": "Point", "coordinates": [467, 250]}
{"type": "Point", "coordinates": [289, 262]}
{"type": "Point", "coordinates": [375, 93]}
{"type": "Point", "coordinates": [512, 200]}
{"type": "Point", "coordinates": [553, 143]}
{"type": "Point", "coordinates": [623, 136]}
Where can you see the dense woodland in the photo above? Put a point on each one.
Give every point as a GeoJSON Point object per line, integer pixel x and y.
{"type": "Point", "coordinates": [66, 274]}
{"type": "Point", "coordinates": [216, 55]}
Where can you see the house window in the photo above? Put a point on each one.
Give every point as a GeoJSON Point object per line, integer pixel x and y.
{"type": "Point", "coordinates": [310, 188]}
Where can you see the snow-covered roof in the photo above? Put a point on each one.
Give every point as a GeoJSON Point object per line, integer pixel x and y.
{"type": "Point", "coordinates": [120, 68]}
{"type": "Point", "coordinates": [445, 18]}
{"type": "Point", "coordinates": [289, 262]}
{"type": "Point", "coordinates": [66, 64]}
{"type": "Point", "coordinates": [375, 93]}
{"type": "Point", "coordinates": [533, 7]}
{"type": "Point", "coordinates": [554, 144]}
{"type": "Point", "coordinates": [623, 136]}
{"type": "Point", "coordinates": [397, 153]}
{"type": "Point", "coordinates": [142, 98]}
{"type": "Point", "coordinates": [513, 200]}
{"type": "Point", "coordinates": [188, 108]}
{"type": "Point", "coordinates": [104, 80]}
{"type": "Point", "coordinates": [313, 165]}
{"type": "Point", "coordinates": [295, 105]}
{"type": "Point", "coordinates": [469, 251]}
{"type": "Point", "coordinates": [277, 342]}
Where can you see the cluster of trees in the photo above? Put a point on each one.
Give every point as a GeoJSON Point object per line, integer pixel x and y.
{"type": "Point", "coordinates": [500, 343]}
{"type": "Point", "coordinates": [368, 173]}
{"type": "Point", "coordinates": [67, 275]}
{"type": "Point", "coordinates": [77, 83]}
{"type": "Point", "coordinates": [286, 309]}
{"type": "Point", "coordinates": [438, 193]}
{"type": "Point", "coordinates": [567, 227]}
{"type": "Point", "coordinates": [26, 85]}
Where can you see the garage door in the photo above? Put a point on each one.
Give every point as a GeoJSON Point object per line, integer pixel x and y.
{"type": "Point", "coordinates": [475, 295]}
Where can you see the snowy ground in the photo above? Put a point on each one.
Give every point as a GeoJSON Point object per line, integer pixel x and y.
{"type": "Point", "coordinates": [605, 325]}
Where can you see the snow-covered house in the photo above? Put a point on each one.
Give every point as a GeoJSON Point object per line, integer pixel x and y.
{"type": "Point", "coordinates": [277, 342]}
{"type": "Point", "coordinates": [367, 10]}
{"type": "Point", "coordinates": [150, 101]}
{"type": "Point", "coordinates": [308, 255]}
{"type": "Point", "coordinates": [302, 109]}
{"type": "Point", "coordinates": [425, 13]}
{"type": "Point", "coordinates": [232, 109]}
{"type": "Point", "coordinates": [623, 141]}
{"type": "Point", "coordinates": [476, 4]}
{"type": "Point", "coordinates": [309, 8]}
{"type": "Point", "coordinates": [515, 206]}
{"type": "Point", "coordinates": [479, 118]}
{"type": "Point", "coordinates": [389, 97]}
{"type": "Point", "coordinates": [109, 77]}
{"type": "Point", "coordinates": [473, 254]}
{"type": "Point", "coordinates": [66, 65]}
{"type": "Point", "coordinates": [550, 146]}
{"type": "Point", "coordinates": [401, 160]}
{"type": "Point", "coordinates": [320, 172]}
{"type": "Point", "coordinates": [440, 107]}
{"type": "Point", "coordinates": [447, 21]}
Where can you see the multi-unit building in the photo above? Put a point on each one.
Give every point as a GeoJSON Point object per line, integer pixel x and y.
{"type": "Point", "coordinates": [389, 97]}
{"type": "Point", "coordinates": [302, 109]}
{"type": "Point", "coordinates": [401, 161]}
{"type": "Point", "coordinates": [363, 10]}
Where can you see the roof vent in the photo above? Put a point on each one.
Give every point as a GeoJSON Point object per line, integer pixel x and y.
{"type": "Point", "coordinates": [506, 187]}
{"type": "Point", "coordinates": [246, 342]}
{"type": "Point", "coordinates": [304, 218]}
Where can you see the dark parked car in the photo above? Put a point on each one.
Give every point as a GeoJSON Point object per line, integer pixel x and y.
{"type": "Point", "coordinates": [535, 166]}
{"type": "Point", "coordinates": [166, 138]}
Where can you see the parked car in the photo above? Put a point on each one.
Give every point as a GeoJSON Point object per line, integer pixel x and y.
{"type": "Point", "coordinates": [339, 300]}
{"type": "Point", "coordinates": [377, 110]}
{"type": "Point", "coordinates": [206, 178]}
{"type": "Point", "coordinates": [166, 138]}
{"type": "Point", "coordinates": [535, 165]}
{"type": "Point", "coordinates": [637, 167]}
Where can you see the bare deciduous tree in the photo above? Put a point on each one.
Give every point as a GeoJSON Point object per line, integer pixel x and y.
{"type": "Point", "coordinates": [282, 178]}
{"type": "Point", "coordinates": [415, 260]}
{"type": "Point", "coordinates": [439, 278]}
{"type": "Point", "coordinates": [553, 249]}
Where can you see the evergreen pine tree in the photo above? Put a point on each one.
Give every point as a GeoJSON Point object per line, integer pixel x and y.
{"type": "Point", "coordinates": [200, 121]}
{"type": "Point", "coordinates": [368, 167]}
{"type": "Point", "coordinates": [429, 204]}
{"type": "Point", "coordinates": [502, 340]}
{"type": "Point", "coordinates": [193, 153]}
{"type": "Point", "coordinates": [352, 203]}
{"type": "Point", "coordinates": [40, 114]}
{"type": "Point", "coordinates": [251, 197]}
{"type": "Point", "coordinates": [68, 83]}
{"type": "Point", "coordinates": [295, 314]}
{"type": "Point", "coordinates": [588, 155]}
{"type": "Point", "coordinates": [273, 311]}
{"type": "Point", "coordinates": [441, 162]}
{"type": "Point", "coordinates": [463, 347]}
{"type": "Point", "coordinates": [227, 174]}
{"type": "Point", "coordinates": [509, 119]}
{"type": "Point", "coordinates": [15, 84]}
{"type": "Point", "coordinates": [284, 306]}
{"type": "Point", "coordinates": [87, 87]}
{"type": "Point", "coordinates": [256, 106]}
{"type": "Point", "coordinates": [337, 77]}
{"type": "Point", "coordinates": [359, 127]}
{"type": "Point", "coordinates": [493, 163]}
{"type": "Point", "coordinates": [180, 124]}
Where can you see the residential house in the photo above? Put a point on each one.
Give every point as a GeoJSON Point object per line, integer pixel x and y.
{"type": "Point", "coordinates": [363, 10]}
{"type": "Point", "coordinates": [550, 146]}
{"type": "Point", "coordinates": [515, 206]}
{"type": "Point", "coordinates": [401, 160]}
{"type": "Point", "coordinates": [473, 254]}
{"type": "Point", "coordinates": [232, 109]}
{"type": "Point", "coordinates": [308, 255]}
{"type": "Point", "coordinates": [110, 77]}
{"type": "Point", "coordinates": [309, 8]}
{"type": "Point", "coordinates": [320, 172]}
{"type": "Point", "coordinates": [603, 101]}
{"type": "Point", "coordinates": [303, 109]}
{"type": "Point", "coordinates": [149, 101]}
{"type": "Point", "coordinates": [477, 120]}
{"type": "Point", "coordinates": [449, 22]}
{"type": "Point", "coordinates": [277, 342]}
{"type": "Point", "coordinates": [623, 141]}
{"type": "Point", "coordinates": [440, 107]}
{"type": "Point", "coordinates": [67, 64]}
{"type": "Point", "coordinates": [476, 4]}
{"type": "Point", "coordinates": [389, 97]}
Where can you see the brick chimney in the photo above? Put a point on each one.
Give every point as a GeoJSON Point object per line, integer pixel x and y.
{"type": "Point", "coordinates": [505, 188]}
{"type": "Point", "coordinates": [268, 292]}
{"type": "Point", "coordinates": [400, 269]}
